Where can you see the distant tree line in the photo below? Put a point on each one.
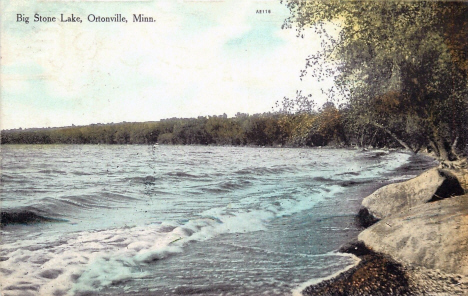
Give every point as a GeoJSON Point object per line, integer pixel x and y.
{"type": "Point", "coordinates": [295, 123]}
{"type": "Point", "coordinates": [325, 126]}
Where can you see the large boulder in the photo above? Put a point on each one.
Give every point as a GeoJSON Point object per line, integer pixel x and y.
{"type": "Point", "coordinates": [433, 235]}
{"type": "Point", "coordinates": [432, 185]}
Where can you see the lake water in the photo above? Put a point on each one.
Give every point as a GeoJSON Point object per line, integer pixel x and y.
{"type": "Point", "coordinates": [180, 220]}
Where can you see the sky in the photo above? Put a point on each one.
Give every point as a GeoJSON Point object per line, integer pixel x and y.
{"type": "Point", "coordinates": [198, 58]}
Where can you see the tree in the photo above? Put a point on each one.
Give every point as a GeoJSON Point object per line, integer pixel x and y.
{"type": "Point", "coordinates": [401, 66]}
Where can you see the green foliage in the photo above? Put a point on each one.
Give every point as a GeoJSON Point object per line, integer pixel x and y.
{"type": "Point", "coordinates": [267, 129]}
{"type": "Point", "coordinates": [401, 66]}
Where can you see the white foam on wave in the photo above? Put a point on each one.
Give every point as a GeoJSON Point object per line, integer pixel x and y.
{"type": "Point", "coordinates": [383, 164]}
{"type": "Point", "coordinates": [290, 207]}
{"type": "Point", "coordinates": [90, 260]}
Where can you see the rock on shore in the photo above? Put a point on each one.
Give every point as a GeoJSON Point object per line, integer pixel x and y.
{"type": "Point", "coordinates": [432, 185]}
{"type": "Point", "coordinates": [433, 235]}
{"type": "Point", "coordinates": [417, 244]}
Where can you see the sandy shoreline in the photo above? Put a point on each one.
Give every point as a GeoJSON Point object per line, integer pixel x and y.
{"type": "Point", "coordinates": [380, 274]}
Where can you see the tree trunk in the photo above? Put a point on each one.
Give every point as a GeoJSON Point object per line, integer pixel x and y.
{"type": "Point", "coordinates": [453, 149]}
{"type": "Point", "coordinates": [400, 141]}
{"type": "Point", "coordinates": [417, 148]}
{"type": "Point", "coordinates": [440, 144]}
{"type": "Point", "coordinates": [372, 139]}
{"type": "Point", "coordinates": [434, 147]}
{"type": "Point", "coordinates": [443, 152]}
{"type": "Point", "coordinates": [343, 136]}
{"type": "Point", "coordinates": [362, 138]}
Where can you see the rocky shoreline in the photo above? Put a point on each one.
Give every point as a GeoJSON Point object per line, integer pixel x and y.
{"type": "Point", "coordinates": [415, 241]}
{"type": "Point", "coordinates": [379, 274]}
{"type": "Point", "coordinates": [375, 274]}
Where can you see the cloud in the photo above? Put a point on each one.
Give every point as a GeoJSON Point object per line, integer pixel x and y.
{"type": "Point", "coordinates": [197, 59]}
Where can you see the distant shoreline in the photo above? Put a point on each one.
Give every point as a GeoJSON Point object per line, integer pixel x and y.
{"type": "Point", "coordinates": [327, 147]}
{"type": "Point", "coordinates": [273, 129]}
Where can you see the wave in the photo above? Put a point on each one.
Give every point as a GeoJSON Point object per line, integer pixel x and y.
{"type": "Point", "coordinates": [86, 261]}
{"type": "Point", "coordinates": [48, 207]}
{"type": "Point", "coordinates": [349, 173]}
{"type": "Point", "coordinates": [80, 173]}
{"type": "Point", "coordinates": [59, 172]}
{"type": "Point", "coordinates": [112, 196]}
{"type": "Point", "coordinates": [91, 260]}
{"type": "Point", "coordinates": [266, 170]}
{"type": "Point", "coordinates": [323, 179]}
{"type": "Point", "coordinates": [343, 182]}
{"type": "Point", "coordinates": [147, 180]}
{"type": "Point", "coordinates": [215, 190]}
{"type": "Point", "coordinates": [25, 217]}
{"type": "Point", "coordinates": [7, 178]}
{"type": "Point", "coordinates": [71, 204]}
{"type": "Point", "coordinates": [231, 185]}
{"type": "Point", "coordinates": [183, 175]}
{"type": "Point", "coordinates": [350, 183]}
